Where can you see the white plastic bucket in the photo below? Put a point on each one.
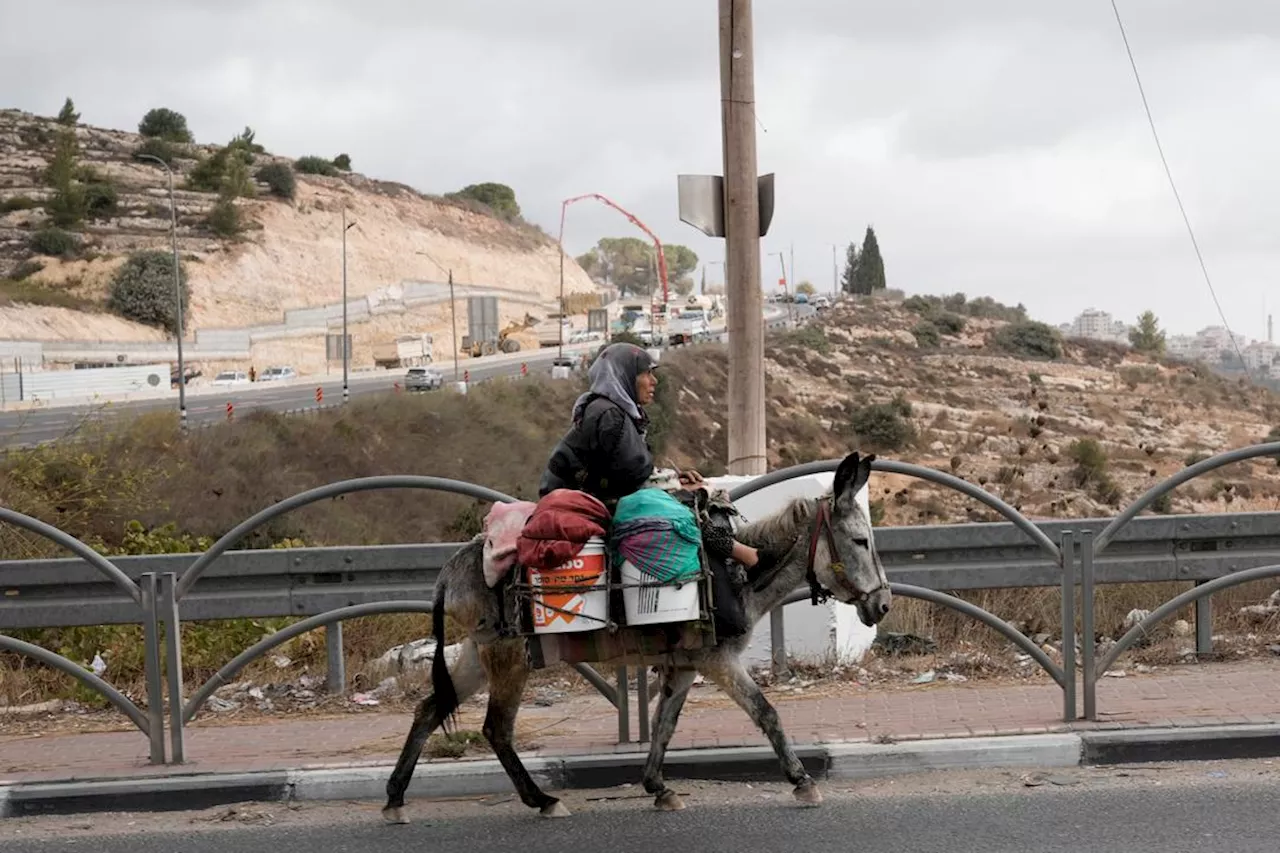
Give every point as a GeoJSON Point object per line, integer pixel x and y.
{"type": "Point", "coordinates": [575, 610]}
{"type": "Point", "coordinates": [651, 605]}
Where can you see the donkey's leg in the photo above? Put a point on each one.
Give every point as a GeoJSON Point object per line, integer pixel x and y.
{"type": "Point", "coordinates": [468, 677]}
{"type": "Point", "coordinates": [734, 679]}
{"type": "Point", "coordinates": [508, 673]}
{"type": "Point", "coordinates": [675, 689]}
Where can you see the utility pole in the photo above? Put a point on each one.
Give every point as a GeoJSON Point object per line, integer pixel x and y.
{"type": "Point", "coordinates": [792, 284]}
{"type": "Point", "coordinates": [453, 310]}
{"type": "Point", "coordinates": [745, 315]}
{"type": "Point", "coordinates": [177, 295]}
{"type": "Point", "coordinates": [835, 275]}
{"type": "Point", "coordinates": [346, 350]}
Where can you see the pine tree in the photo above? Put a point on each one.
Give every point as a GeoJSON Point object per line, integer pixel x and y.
{"type": "Point", "coordinates": [1147, 336]}
{"type": "Point", "coordinates": [850, 268]}
{"type": "Point", "coordinates": [66, 207]}
{"type": "Point", "coordinates": [68, 116]}
{"type": "Point", "coordinates": [869, 276]}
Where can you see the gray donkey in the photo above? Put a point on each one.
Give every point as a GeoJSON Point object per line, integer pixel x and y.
{"type": "Point", "coordinates": [827, 542]}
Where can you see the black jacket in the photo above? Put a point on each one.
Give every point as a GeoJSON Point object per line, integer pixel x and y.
{"type": "Point", "coordinates": [605, 454]}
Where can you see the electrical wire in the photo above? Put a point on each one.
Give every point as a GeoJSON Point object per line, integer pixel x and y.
{"type": "Point", "coordinates": [1173, 186]}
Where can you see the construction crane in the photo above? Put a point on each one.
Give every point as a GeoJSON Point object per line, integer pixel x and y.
{"type": "Point", "coordinates": [662, 260]}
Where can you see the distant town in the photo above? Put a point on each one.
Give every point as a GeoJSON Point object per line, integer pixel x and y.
{"type": "Point", "coordinates": [1212, 345]}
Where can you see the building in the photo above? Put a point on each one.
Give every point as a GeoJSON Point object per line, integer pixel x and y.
{"type": "Point", "coordinates": [1096, 325]}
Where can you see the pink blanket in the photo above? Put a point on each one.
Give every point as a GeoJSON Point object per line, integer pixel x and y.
{"type": "Point", "coordinates": [502, 528]}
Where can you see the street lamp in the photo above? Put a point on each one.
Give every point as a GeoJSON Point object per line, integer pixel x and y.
{"type": "Point", "coordinates": [177, 295]}
{"type": "Point", "coordinates": [346, 350]}
{"type": "Point", "coordinates": [453, 311]}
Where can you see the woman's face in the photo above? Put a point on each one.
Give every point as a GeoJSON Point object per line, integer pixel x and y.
{"type": "Point", "coordinates": [646, 384]}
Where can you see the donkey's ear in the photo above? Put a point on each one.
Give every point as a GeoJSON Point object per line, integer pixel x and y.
{"type": "Point", "coordinates": [863, 473]}
{"type": "Point", "coordinates": [845, 474]}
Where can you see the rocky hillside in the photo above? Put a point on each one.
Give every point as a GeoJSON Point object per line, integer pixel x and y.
{"type": "Point", "coordinates": [288, 254]}
{"type": "Point", "coordinates": [1074, 435]}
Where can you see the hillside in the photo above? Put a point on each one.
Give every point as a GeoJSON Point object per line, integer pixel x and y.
{"type": "Point", "coordinates": [288, 254]}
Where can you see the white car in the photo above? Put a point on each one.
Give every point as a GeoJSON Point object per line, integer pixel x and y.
{"type": "Point", "coordinates": [231, 377]}
{"type": "Point", "coordinates": [278, 374]}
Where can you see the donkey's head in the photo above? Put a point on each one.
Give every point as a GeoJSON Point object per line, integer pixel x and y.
{"type": "Point", "coordinates": [853, 572]}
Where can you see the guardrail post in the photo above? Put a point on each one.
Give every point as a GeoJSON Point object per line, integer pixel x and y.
{"type": "Point", "coordinates": [1087, 649]}
{"type": "Point", "coordinates": [1069, 628]}
{"type": "Point", "coordinates": [151, 652]}
{"type": "Point", "coordinates": [778, 642]}
{"type": "Point", "coordinates": [337, 680]}
{"type": "Point", "coordinates": [173, 665]}
{"type": "Point", "coordinates": [1204, 623]}
{"type": "Point", "coordinates": [624, 709]}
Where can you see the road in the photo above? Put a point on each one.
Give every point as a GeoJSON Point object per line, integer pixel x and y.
{"type": "Point", "coordinates": [1219, 806]}
{"type": "Point", "coordinates": [34, 426]}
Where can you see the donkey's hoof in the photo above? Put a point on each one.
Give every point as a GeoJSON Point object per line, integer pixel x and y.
{"type": "Point", "coordinates": [394, 816]}
{"type": "Point", "coordinates": [668, 801]}
{"type": "Point", "coordinates": [807, 794]}
{"type": "Point", "coordinates": [555, 809]}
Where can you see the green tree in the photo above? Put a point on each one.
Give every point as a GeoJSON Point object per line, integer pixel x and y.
{"type": "Point", "coordinates": [1147, 336]}
{"type": "Point", "coordinates": [67, 205]}
{"type": "Point", "coordinates": [806, 288]}
{"type": "Point", "coordinates": [629, 263]}
{"type": "Point", "coordinates": [142, 290]}
{"type": "Point", "coordinates": [681, 262]}
{"type": "Point", "coordinates": [343, 162]}
{"type": "Point", "coordinates": [850, 274]}
{"type": "Point", "coordinates": [68, 116]}
{"type": "Point", "coordinates": [499, 198]}
{"type": "Point", "coordinates": [869, 274]}
{"type": "Point", "coordinates": [164, 123]}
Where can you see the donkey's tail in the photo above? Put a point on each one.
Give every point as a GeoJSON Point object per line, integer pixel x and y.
{"type": "Point", "coordinates": [445, 694]}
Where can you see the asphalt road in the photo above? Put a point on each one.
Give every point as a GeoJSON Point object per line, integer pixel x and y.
{"type": "Point", "coordinates": [34, 426]}
{"type": "Point", "coordinates": [1129, 811]}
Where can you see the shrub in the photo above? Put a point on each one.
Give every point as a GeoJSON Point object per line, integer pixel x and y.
{"type": "Point", "coordinates": [948, 323]}
{"type": "Point", "coordinates": [315, 166]}
{"type": "Point", "coordinates": [811, 338]}
{"type": "Point", "coordinates": [100, 200]}
{"type": "Point", "coordinates": [142, 290]}
{"type": "Point", "coordinates": [279, 177]}
{"type": "Point", "coordinates": [54, 242]}
{"type": "Point", "coordinates": [500, 199]}
{"type": "Point", "coordinates": [884, 426]}
{"type": "Point", "coordinates": [18, 202]}
{"type": "Point", "coordinates": [164, 123]}
{"type": "Point", "coordinates": [927, 334]}
{"type": "Point", "coordinates": [224, 218]}
{"type": "Point", "coordinates": [161, 149]}
{"type": "Point", "coordinates": [25, 270]}
{"type": "Point", "coordinates": [343, 162]}
{"type": "Point", "coordinates": [1029, 338]}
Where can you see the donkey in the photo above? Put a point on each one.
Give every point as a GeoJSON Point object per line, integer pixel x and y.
{"type": "Point", "coordinates": [827, 542]}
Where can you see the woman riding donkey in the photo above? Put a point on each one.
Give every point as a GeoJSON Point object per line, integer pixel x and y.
{"type": "Point", "coordinates": [606, 454]}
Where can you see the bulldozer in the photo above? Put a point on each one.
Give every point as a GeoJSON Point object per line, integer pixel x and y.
{"type": "Point", "coordinates": [512, 338]}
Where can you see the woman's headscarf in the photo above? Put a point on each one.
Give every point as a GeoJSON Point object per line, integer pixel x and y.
{"type": "Point", "coordinates": [613, 376]}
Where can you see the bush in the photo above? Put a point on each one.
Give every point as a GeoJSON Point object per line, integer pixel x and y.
{"type": "Point", "coordinates": [279, 177]}
{"type": "Point", "coordinates": [25, 270]}
{"type": "Point", "coordinates": [884, 426]}
{"type": "Point", "coordinates": [55, 242]}
{"type": "Point", "coordinates": [343, 162]}
{"type": "Point", "coordinates": [948, 323]}
{"type": "Point", "coordinates": [1029, 338]}
{"type": "Point", "coordinates": [142, 290]}
{"type": "Point", "coordinates": [18, 202]}
{"type": "Point", "coordinates": [161, 149]}
{"type": "Point", "coordinates": [100, 200]}
{"type": "Point", "coordinates": [927, 334]}
{"type": "Point", "coordinates": [164, 123]}
{"type": "Point", "coordinates": [315, 166]}
{"type": "Point", "coordinates": [224, 218]}
{"type": "Point", "coordinates": [810, 338]}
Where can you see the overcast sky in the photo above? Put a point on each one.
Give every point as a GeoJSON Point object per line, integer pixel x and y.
{"type": "Point", "coordinates": [997, 146]}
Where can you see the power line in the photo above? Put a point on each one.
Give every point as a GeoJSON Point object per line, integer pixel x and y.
{"type": "Point", "coordinates": [1173, 186]}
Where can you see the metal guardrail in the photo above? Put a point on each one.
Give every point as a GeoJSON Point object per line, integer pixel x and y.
{"type": "Point", "coordinates": [332, 584]}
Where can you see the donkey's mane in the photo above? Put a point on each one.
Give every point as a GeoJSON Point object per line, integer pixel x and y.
{"type": "Point", "coordinates": [778, 532]}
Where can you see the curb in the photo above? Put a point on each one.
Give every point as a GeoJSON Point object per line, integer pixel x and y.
{"type": "Point", "coordinates": [836, 761]}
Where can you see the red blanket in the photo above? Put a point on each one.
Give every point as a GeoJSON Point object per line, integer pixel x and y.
{"type": "Point", "coordinates": [556, 531]}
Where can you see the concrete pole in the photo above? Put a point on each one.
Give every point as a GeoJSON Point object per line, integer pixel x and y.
{"type": "Point", "coordinates": [745, 315]}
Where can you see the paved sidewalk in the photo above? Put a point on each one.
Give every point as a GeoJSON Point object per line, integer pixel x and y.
{"type": "Point", "coordinates": [1189, 695]}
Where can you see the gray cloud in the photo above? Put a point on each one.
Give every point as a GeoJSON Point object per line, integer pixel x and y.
{"type": "Point", "coordinates": [998, 146]}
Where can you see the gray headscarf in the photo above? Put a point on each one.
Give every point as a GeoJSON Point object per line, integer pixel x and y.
{"type": "Point", "coordinates": [613, 376]}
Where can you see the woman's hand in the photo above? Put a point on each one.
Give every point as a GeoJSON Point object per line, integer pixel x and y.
{"type": "Point", "coordinates": [691, 479]}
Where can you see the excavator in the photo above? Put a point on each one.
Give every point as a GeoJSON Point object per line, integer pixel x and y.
{"type": "Point", "coordinates": [512, 338]}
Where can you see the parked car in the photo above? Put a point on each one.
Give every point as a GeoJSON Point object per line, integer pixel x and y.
{"type": "Point", "coordinates": [423, 379]}
{"type": "Point", "coordinates": [278, 374]}
{"type": "Point", "coordinates": [231, 377]}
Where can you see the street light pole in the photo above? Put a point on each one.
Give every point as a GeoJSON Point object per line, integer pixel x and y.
{"type": "Point", "coordinates": [346, 350]}
{"type": "Point", "coordinates": [453, 310]}
{"type": "Point", "coordinates": [177, 295]}
{"type": "Point", "coordinates": [835, 278]}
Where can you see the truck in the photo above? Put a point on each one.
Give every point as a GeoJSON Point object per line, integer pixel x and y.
{"type": "Point", "coordinates": [690, 327]}
{"type": "Point", "coordinates": [404, 351]}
